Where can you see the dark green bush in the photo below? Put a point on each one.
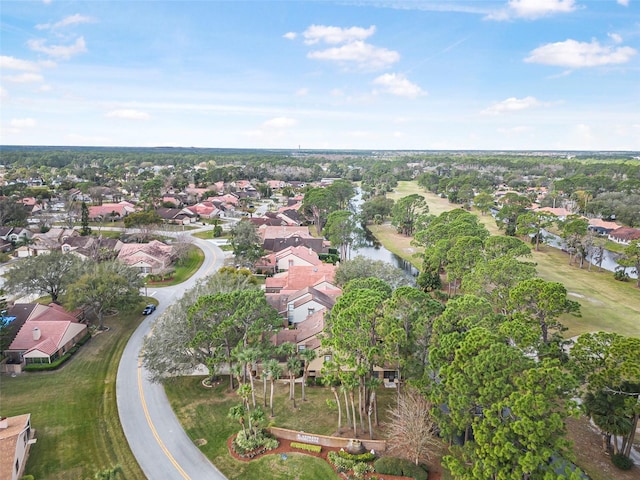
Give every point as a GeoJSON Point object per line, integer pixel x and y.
{"type": "Point", "coordinates": [622, 462]}
{"type": "Point", "coordinates": [621, 276]}
{"type": "Point", "coordinates": [38, 367]}
{"type": "Point", "coordinates": [342, 464]}
{"type": "Point", "coordinates": [400, 467]}
{"type": "Point", "coordinates": [363, 457]}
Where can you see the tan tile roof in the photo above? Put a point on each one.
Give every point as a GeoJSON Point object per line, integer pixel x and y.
{"type": "Point", "coordinates": [269, 232]}
{"type": "Point", "coordinates": [598, 222]}
{"type": "Point", "coordinates": [8, 440]}
{"type": "Point", "coordinates": [299, 277]}
{"type": "Point", "coordinates": [52, 334]}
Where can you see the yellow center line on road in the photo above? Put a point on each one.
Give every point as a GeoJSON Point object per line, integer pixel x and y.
{"type": "Point", "coordinates": [144, 403]}
{"type": "Point", "coordinates": [153, 428]}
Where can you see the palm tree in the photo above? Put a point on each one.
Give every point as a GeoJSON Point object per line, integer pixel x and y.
{"type": "Point", "coordinates": [274, 370]}
{"type": "Point", "coordinates": [293, 367]}
{"type": "Point", "coordinates": [248, 356]}
{"type": "Point", "coordinates": [307, 356]}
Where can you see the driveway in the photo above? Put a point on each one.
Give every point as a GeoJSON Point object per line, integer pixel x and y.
{"type": "Point", "coordinates": [155, 436]}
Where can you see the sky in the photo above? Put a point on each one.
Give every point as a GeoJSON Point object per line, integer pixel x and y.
{"type": "Point", "coordinates": [367, 74]}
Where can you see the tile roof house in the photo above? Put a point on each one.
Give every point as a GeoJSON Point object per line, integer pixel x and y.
{"type": "Point", "coordinates": [91, 247]}
{"type": "Point", "coordinates": [275, 239]}
{"type": "Point", "coordinates": [47, 242]}
{"type": "Point", "coordinates": [304, 334]}
{"type": "Point", "coordinates": [601, 227]}
{"type": "Point", "coordinates": [288, 257]}
{"type": "Point", "coordinates": [624, 235]}
{"type": "Point", "coordinates": [110, 211]}
{"type": "Point", "coordinates": [298, 277]}
{"type": "Point", "coordinates": [204, 210]}
{"type": "Point", "coordinates": [152, 257]}
{"type": "Point", "coordinates": [181, 216]}
{"type": "Point", "coordinates": [16, 438]}
{"type": "Point", "coordinates": [47, 333]}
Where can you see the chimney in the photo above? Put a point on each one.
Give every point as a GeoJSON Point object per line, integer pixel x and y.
{"type": "Point", "coordinates": [4, 423]}
{"type": "Point", "coordinates": [36, 333]}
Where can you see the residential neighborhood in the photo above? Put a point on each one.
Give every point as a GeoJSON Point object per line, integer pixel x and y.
{"type": "Point", "coordinates": [296, 240]}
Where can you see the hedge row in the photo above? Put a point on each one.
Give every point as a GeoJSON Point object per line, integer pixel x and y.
{"type": "Point", "coordinates": [362, 457]}
{"type": "Point", "coordinates": [307, 447]}
{"type": "Point", "coordinates": [39, 367]}
{"type": "Point", "coordinates": [400, 467]}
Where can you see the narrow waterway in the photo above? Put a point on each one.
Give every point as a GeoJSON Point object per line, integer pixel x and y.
{"type": "Point", "coordinates": [373, 249]}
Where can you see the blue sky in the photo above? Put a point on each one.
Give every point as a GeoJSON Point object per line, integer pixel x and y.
{"type": "Point", "coordinates": [396, 74]}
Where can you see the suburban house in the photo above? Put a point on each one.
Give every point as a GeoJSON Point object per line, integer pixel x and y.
{"type": "Point", "coordinates": [110, 211]}
{"type": "Point", "coordinates": [205, 210]}
{"type": "Point", "coordinates": [91, 247]}
{"type": "Point", "coordinates": [601, 227]}
{"type": "Point", "coordinates": [16, 438]}
{"type": "Point", "coordinates": [43, 333]}
{"type": "Point", "coordinates": [43, 243]}
{"type": "Point", "coordinates": [305, 336]}
{"type": "Point", "coordinates": [180, 216]}
{"type": "Point", "coordinates": [15, 234]}
{"type": "Point", "coordinates": [276, 185]}
{"type": "Point", "coordinates": [298, 277]}
{"type": "Point", "coordinates": [289, 257]}
{"type": "Point", "coordinates": [275, 239]}
{"type": "Point", "coordinates": [624, 235]}
{"type": "Point", "coordinates": [152, 257]}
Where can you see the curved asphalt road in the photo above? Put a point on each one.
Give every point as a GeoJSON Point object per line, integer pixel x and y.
{"type": "Point", "coordinates": [155, 436]}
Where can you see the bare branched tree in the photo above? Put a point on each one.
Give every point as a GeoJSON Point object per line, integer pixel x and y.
{"type": "Point", "coordinates": [411, 429]}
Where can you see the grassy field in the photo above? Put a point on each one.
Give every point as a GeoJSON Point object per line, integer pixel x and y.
{"type": "Point", "coordinates": [606, 304]}
{"type": "Point", "coordinates": [203, 414]}
{"type": "Point", "coordinates": [74, 411]}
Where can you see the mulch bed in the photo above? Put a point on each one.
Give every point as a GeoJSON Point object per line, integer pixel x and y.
{"type": "Point", "coordinates": [285, 447]}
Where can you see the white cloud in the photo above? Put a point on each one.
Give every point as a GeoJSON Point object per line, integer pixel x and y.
{"type": "Point", "coordinates": [336, 35]}
{"type": "Point", "coordinates": [3, 92]}
{"type": "Point", "coordinates": [290, 35]}
{"type": "Point", "coordinates": [280, 122]}
{"type": "Point", "coordinates": [302, 92]}
{"type": "Point", "coordinates": [58, 51]}
{"type": "Point", "coordinates": [13, 63]}
{"type": "Point", "coordinates": [574, 54]}
{"type": "Point", "coordinates": [128, 114]}
{"type": "Point", "coordinates": [615, 37]}
{"type": "Point", "coordinates": [22, 123]}
{"type": "Point", "coordinates": [47, 2]}
{"type": "Point", "coordinates": [362, 55]}
{"type": "Point", "coordinates": [624, 3]}
{"type": "Point", "coordinates": [517, 130]}
{"type": "Point", "coordinates": [24, 78]}
{"type": "Point", "coordinates": [398, 84]}
{"type": "Point", "coordinates": [65, 22]}
{"type": "Point", "coordinates": [533, 9]}
{"type": "Point", "coordinates": [512, 104]}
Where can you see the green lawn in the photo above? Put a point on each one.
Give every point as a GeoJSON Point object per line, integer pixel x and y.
{"type": "Point", "coordinates": [185, 270]}
{"type": "Point", "coordinates": [203, 414]}
{"type": "Point", "coordinates": [605, 303]}
{"type": "Point", "coordinates": [74, 411]}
